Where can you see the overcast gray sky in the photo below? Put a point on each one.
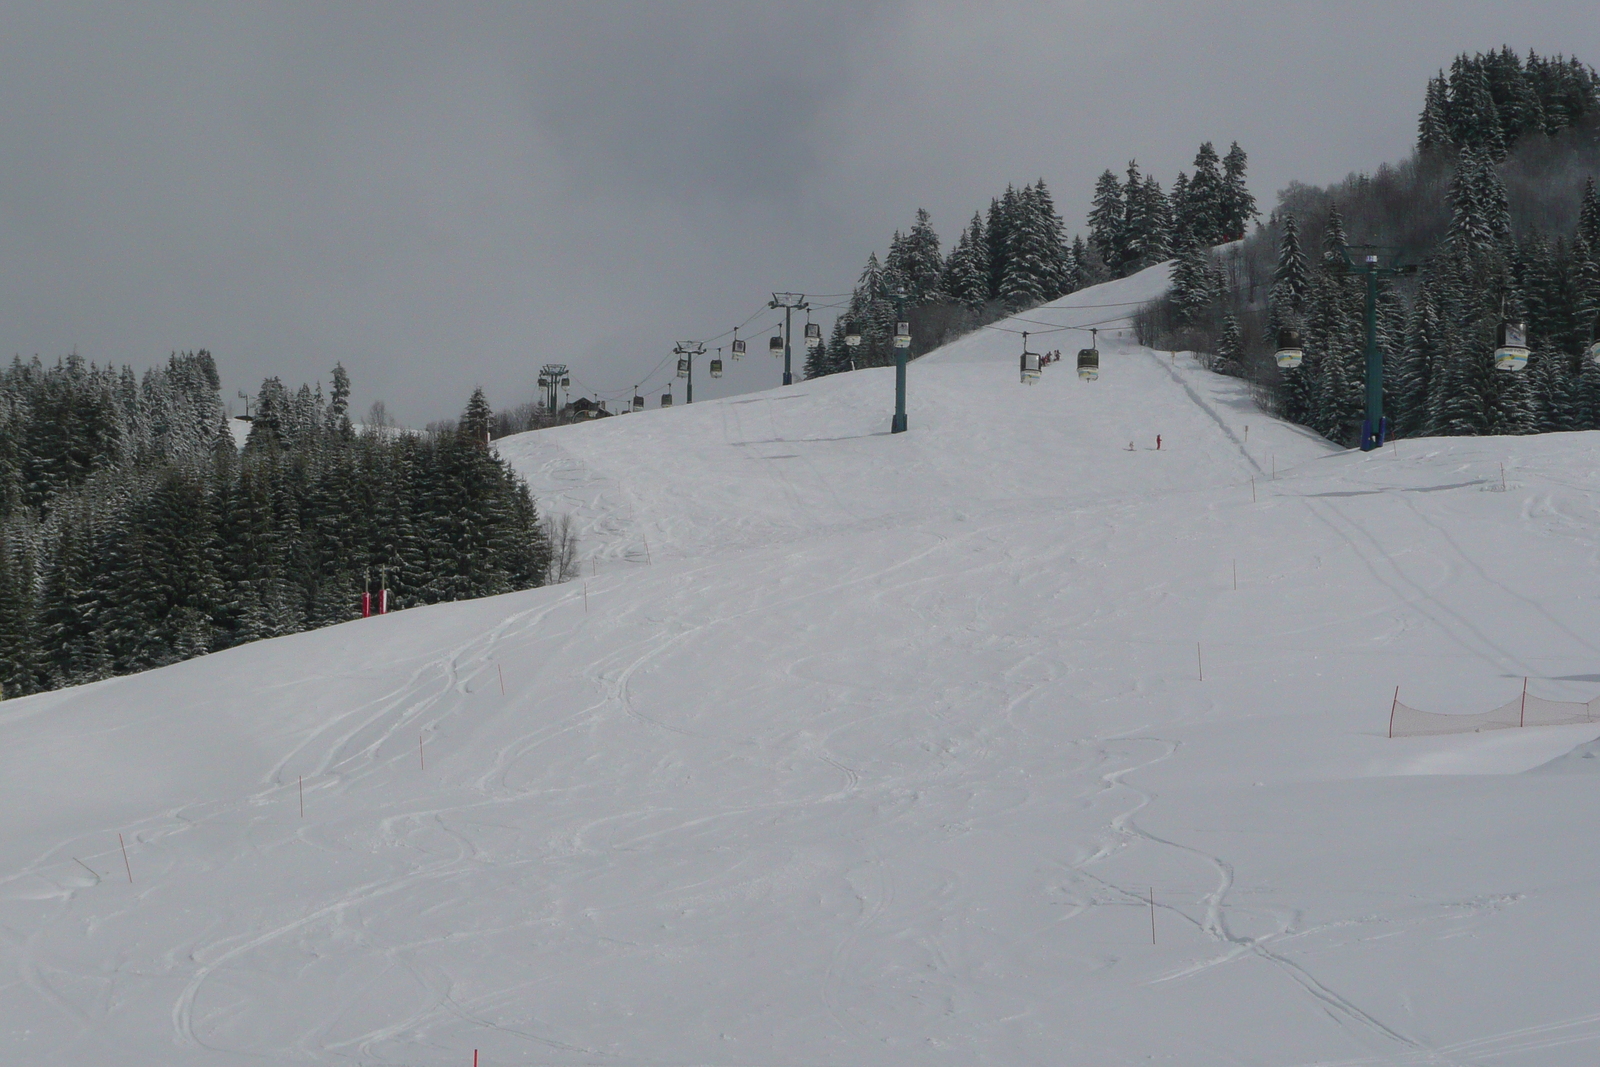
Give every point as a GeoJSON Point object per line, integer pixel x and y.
{"type": "Point", "coordinates": [451, 194]}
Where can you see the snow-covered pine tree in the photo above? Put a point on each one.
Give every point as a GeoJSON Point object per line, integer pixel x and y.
{"type": "Point", "coordinates": [1030, 261]}
{"type": "Point", "coordinates": [1433, 125]}
{"type": "Point", "coordinates": [476, 419]}
{"type": "Point", "coordinates": [1106, 214]}
{"type": "Point", "coordinates": [1412, 369]}
{"type": "Point", "coordinates": [1206, 200]}
{"type": "Point", "coordinates": [1146, 223]}
{"type": "Point", "coordinates": [1291, 280]}
{"type": "Point", "coordinates": [1058, 278]}
{"type": "Point", "coordinates": [1182, 227]}
{"type": "Point", "coordinates": [1589, 216]}
{"type": "Point", "coordinates": [1238, 204]}
{"type": "Point", "coordinates": [922, 264]}
{"type": "Point", "coordinates": [1230, 348]}
{"type": "Point", "coordinates": [1002, 212]}
{"type": "Point", "coordinates": [1191, 287]}
{"type": "Point", "coordinates": [966, 272]}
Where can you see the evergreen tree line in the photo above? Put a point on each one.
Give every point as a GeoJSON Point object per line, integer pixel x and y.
{"type": "Point", "coordinates": [135, 533]}
{"type": "Point", "coordinates": [1490, 101]}
{"type": "Point", "coordinates": [1017, 256]}
{"type": "Point", "coordinates": [1500, 234]}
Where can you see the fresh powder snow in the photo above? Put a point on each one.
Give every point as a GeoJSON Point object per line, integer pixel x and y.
{"type": "Point", "coordinates": [1008, 740]}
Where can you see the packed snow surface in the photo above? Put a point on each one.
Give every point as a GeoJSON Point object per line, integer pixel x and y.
{"type": "Point", "coordinates": [1008, 740]}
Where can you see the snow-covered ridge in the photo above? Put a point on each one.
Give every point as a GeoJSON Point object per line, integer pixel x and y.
{"type": "Point", "coordinates": [854, 748]}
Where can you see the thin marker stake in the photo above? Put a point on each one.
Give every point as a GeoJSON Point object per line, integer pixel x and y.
{"type": "Point", "coordinates": [86, 867]}
{"type": "Point", "coordinates": [1522, 716]}
{"type": "Point", "coordinates": [501, 672]}
{"type": "Point", "coordinates": [646, 551]}
{"type": "Point", "coordinates": [474, 1058]}
{"type": "Point", "coordinates": [1200, 663]}
{"type": "Point", "coordinates": [302, 796]}
{"type": "Point", "coordinates": [1392, 709]}
{"type": "Point", "coordinates": [1252, 490]}
{"type": "Point", "coordinates": [586, 598]}
{"type": "Point", "coordinates": [1502, 477]}
{"type": "Point", "coordinates": [125, 862]}
{"type": "Point", "coordinates": [422, 764]}
{"type": "Point", "coordinates": [1274, 466]}
{"type": "Point", "coordinates": [1235, 576]}
{"type": "Point", "coordinates": [1152, 915]}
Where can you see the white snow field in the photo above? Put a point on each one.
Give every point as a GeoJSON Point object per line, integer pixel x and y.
{"type": "Point", "coordinates": [856, 749]}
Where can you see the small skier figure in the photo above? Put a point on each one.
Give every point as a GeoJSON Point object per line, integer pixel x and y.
{"type": "Point", "coordinates": [1158, 442]}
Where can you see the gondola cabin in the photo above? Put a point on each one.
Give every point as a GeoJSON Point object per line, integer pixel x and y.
{"type": "Point", "coordinates": [775, 346]}
{"type": "Point", "coordinates": [852, 335]}
{"type": "Point", "coordinates": [1089, 364]}
{"type": "Point", "coordinates": [1511, 347]}
{"type": "Point", "coordinates": [683, 368]}
{"type": "Point", "coordinates": [1030, 367]}
{"type": "Point", "coordinates": [666, 400]}
{"type": "Point", "coordinates": [738, 348]}
{"type": "Point", "coordinates": [813, 335]}
{"type": "Point", "coordinates": [1290, 354]}
{"type": "Point", "coordinates": [716, 368]}
{"type": "Point", "coordinates": [638, 402]}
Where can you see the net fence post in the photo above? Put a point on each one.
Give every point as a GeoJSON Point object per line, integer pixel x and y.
{"type": "Point", "coordinates": [1392, 708]}
{"type": "Point", "coordinates": [1522, 714]}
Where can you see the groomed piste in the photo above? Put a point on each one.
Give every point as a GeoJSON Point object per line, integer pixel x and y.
{"type": "Point", "coordinates": [1008, 740]}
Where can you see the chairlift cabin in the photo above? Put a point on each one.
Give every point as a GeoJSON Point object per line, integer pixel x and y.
{"type": "Point", "coordinates": [638, 402]}
{"type": "Point", "coordinates": [1030, 367]}
{"type": "Point", "coordinates": [683, 367]}
{"type": "Point", "coordinates": [1511, 347]}
{"type": "Point", "coordinates": [775, 346]}
{"type": "Point", "coordinates": [1289, 353]}
{"type": "Point", "coordinates": [716, 368]}
{"type": "Point", "coordinates": [566, 383]}
{"type": "Point", "coordinates": [813, 335]}
{"type": "Point", "coordinates": [738, 348]}
{"type": "Point", "coordinates": [1089, 364]}
{"type": "Point", "coordinates": [666, 400]}
{"type": "Point", "coordinates": [544, 383]}
{"type": "Point", "coordinates": [852, 335]}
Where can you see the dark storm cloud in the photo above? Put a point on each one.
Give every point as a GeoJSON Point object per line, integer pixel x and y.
{"type": "Point", "coordinates": [447, 195]}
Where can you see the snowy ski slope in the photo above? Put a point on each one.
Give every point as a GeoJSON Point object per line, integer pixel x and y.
{"type": "Point", "coordinates": [859, 749]}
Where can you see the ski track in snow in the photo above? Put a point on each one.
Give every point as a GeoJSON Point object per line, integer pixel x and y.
{"type": "Point", "coordinates": [852, 748]}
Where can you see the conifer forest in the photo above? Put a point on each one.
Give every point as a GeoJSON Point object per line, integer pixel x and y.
{"type": "Point", "coordinates": [1496, 208]}
{"type": "Point", "coordinates": [134, 532]}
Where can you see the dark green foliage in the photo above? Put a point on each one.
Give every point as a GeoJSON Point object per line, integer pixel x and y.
{"type": "Point", "coordinates": [172, 544]}
{"type": "Point", "coordinates": [1490, 102]}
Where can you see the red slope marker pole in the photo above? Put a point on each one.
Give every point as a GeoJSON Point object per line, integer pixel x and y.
{"type": "Point", "coordinates": [125, 862]}
{"type": "Point", "coordinates": [1392, 708]}
{"type": "Point", "coordinates": [474, 1058]}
